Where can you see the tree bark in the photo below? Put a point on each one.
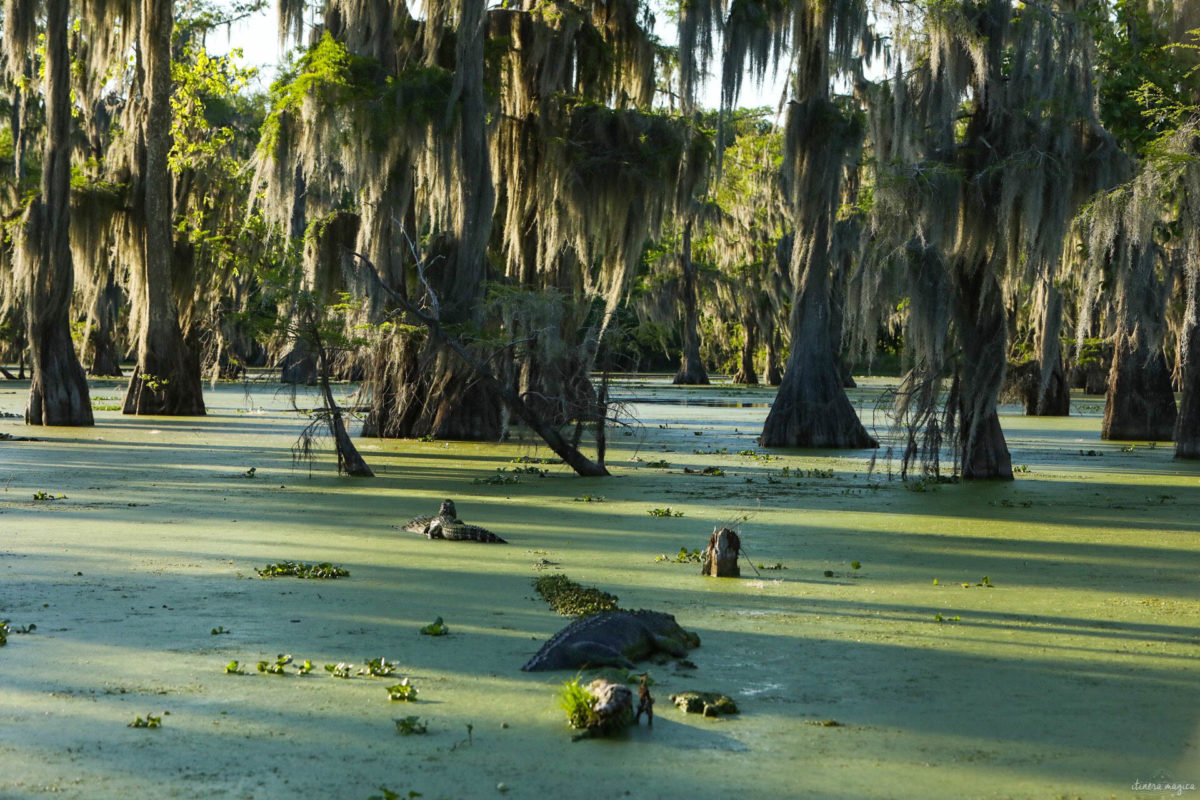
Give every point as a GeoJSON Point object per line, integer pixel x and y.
{"type": "Point", "coordinates": [106, 359]}
{"type": "Point", "coordinates": [449, 402]}
{"type": "Point", "coordinates": [1187, 426]}
{"type": "Point", "coordinates": [774, 376]}
{"type": "Point", "coordinates": [983, 453]}
{"type": "Point", "coordinates": [691, 367]}
{"type": "Point", "coordinates": [166, 380]}
{"type": "Point", "coordinates": [58, 392]}
{"type": "Point", "coordinates": [1050, 396]}
{"type": "Point", "coordinates": [1140, 403]}
{"type": "Point", "coordinates": [811, 408]}
{"type": "Point", "coordinates": [746, 374]}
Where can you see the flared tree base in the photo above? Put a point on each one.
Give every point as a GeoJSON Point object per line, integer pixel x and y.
{"type": "Point", "coordinates": [58, 391]}
{"type": "Point", "coordinates": [813, 411]}
{"type": "Point", "coordinates": [1140, 404]}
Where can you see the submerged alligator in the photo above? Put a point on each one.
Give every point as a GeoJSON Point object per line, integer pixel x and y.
{"type": "Point", "coordinates": [613, 639]}
{"type": "Point", "coordinates": [446, 525]}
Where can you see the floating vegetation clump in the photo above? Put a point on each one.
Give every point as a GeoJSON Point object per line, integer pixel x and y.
{"type": "Point", "coordinates": [571, 599]}
{"type": "Point", "coordinates": [684, 556]}
{"type": "Point", "coordinates": [435, 628]}
{"type": "Point", "coordinates": [322, 571]}
{"type": "Point", "coordinates": [593, 715]}
{"type": "Point", "coordinates": [664, 512]}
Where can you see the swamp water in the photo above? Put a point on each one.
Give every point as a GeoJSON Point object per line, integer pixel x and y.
{"type": "Point", "coordinates": [1033, 639]}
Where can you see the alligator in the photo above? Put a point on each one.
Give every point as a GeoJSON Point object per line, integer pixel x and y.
{"type": "Point", "coordinates": [446, 525]}
{"type": "Point", "coordinates": [613, 638]}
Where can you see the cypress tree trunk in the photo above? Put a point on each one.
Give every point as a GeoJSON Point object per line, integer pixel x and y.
{"type": "Point", "coordinates": [106, 359]}
{"type": "Point", "coordinates": [449, 402]}
{"type": "Point", "coordinates": [1052, 395]}
{"type": "Point", "coordinates": [58, 393]}
{"type": "Point", "coordinates": [983, 452]}
{"type": "Point", "coordinates": [166, 379]}
{"type": "Point", "coordinates": [746, 374]}
{"type": "Point", "coordinates": [774, 376]}
{"type": "Point", "coordinates": [691, 368]}
{"type": "Point", "coordinates": [1140, 403]}
{"type": "Point", "coordinates": [1187, 426]}
{"type": "Point", "coordinates": [811, 408]}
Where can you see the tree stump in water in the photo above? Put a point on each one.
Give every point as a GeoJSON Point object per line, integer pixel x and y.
{"type": "Point", "coordinates": [721, 555]}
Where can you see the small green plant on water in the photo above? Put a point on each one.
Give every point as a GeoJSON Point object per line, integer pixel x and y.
{"type": "Point", "coordinates": [6, 627]}
{"type": "Point", "coordinates": [275, 667]}
{"type": "Point", "coordinates": [220, 630]}
{"type": "Point", "coordinates": [778, 565]}
{"type": "Point", "coordinates": [305, 668]}
{"type": "Point", "coordinates": [403, 691]}
{"type": "Point", "coordinates": [388, 794]}
{"type": "Point", "coordinates": [828, 573]}
{"type": "Point", "coordinates": [1021, 468]}
{"type": "Point", "coordinates": [575, 699]}
{"type": "Point", "coordinates": [855, 565]}
{"type": "Point", "coordinates": [661, 464]}
{"type": "Point", "coordinates": [435, 628]}
{"type": "Point", "coordinates": [46, 497]}
{"type": "Point", "coordinates": [664, 512]}
{"type": "Point", "coordinates": [250, 472]}
{"type": "Point", "coordinates": [716, 451]}
{"type": "Point", "coordinates": [940, 618]}
{"type": "Point", "coordinates": [591, 498]}
{"type": "Point", "coordinates": [378, 668]}
{"type": "Point", "coordinates": [815, 473]}
{"type": "Point", "coordinates": [340, 670]}
{"type": "Point", "coordinates": [536, 460]}
{"type": "Point", "coordinates": [502, 479]}
{"type": "Point", "coordinates": [234, 668]}
{"type": "Point", "coordinates": [408, 726]}
{"type": "Point", "coordinates": [684, 556]}
{"type": "Point", "coordinates": [150, 721]}
{"type": "Point", "coordinates": [322, 571]}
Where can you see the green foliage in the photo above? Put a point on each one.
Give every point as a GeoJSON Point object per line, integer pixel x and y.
{"type": "Point", "coordinates": [275, 667]}
{"type": "Point", "coordinates": [571, 599]}
{"type": "Point", "coordinates": [206, 88]}
{"type": "Point", "coordinates": [331, 77]}
{"type": "Point", "coordinates": [1148, 84]}
{"type": "Point", "coordinates": [403, 691]}
{"type": "Point", "coordinates": [150, 721]}
{"type": "Point", "coordinates": [388, 794]}
{"type": "Point", "coordinates": [409, 726]}
{"type": "Point", "coordinates": [574, 699]}
{"type": "Point", "coordinates": [324, 570]}
{"type": "Point", "coordinates": [340, 670]}
{"type": "Point", "coordinates": [234, 668]}
{"type": "Point", "coordinates": [664, 512]}
{"type": "Point", "coordinates": [378, 668]}
{"type": "Point", "coordinates": [684, 556]}
{"type": "Point", "coordinates": [435, 628]}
